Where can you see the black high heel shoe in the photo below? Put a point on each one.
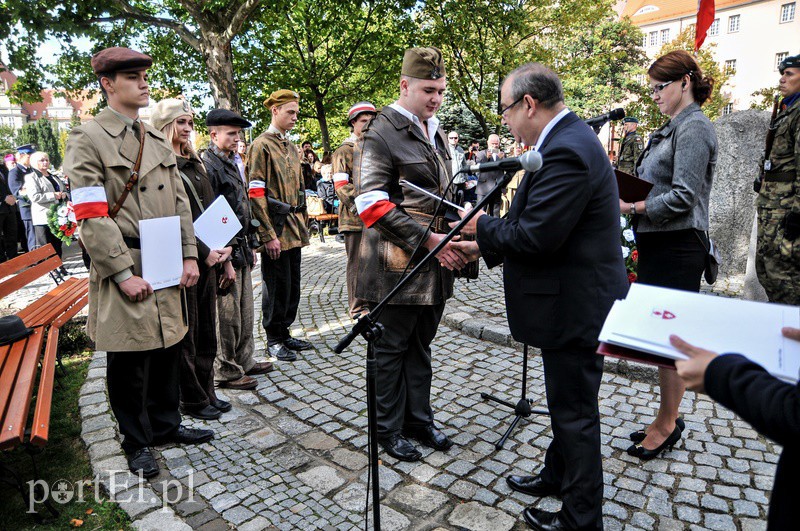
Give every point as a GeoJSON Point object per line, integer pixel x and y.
{"type": "Point", "coordinates": [638, 436]}
{"type": "Point", "coordinates": [637, 450]}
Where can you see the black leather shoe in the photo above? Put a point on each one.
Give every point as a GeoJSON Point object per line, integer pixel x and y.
{"type": "Point", "coordinates": [222, 405]}
{"type": "Point", "coordinates": [430, 436]}
{"type": "Point", "coordinates": [639, 436]}
{"type": "Point", "coordinates": [184, 435]}
{"type": "Point", "coordinates": [542, 520]}
{"type": "Point", "coordinates": [208, 412]}
{"type": "Point", "coordinates": [280, 352]}
{"type": "Point", "coordinates": [398, 447]}
{"type": "Point", "coordinates": [142, 462]}
{"type": "Point", "coordinates": [297, 344]}
{"type": "Point", "coordinates": [533, 485]}
{"type": "Point", "coordinates": [637, 450]}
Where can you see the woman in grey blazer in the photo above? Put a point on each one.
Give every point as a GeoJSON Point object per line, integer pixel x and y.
{"type": "Point", "coordinates": [671, 224]}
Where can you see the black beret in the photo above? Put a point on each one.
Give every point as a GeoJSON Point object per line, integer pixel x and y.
{"type": "Point", "coordinates": [118, 59]}
{"type": "Point", "coordinates": [226, 117]}
{"type": "Point", "coordinates": [630, 119]}
{"type": "Point", "coordinates": [789, 62]}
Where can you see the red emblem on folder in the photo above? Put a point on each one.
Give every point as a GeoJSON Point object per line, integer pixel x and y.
{"type": "Point", "coordinates": [664, 314]}
{"type": "Point", "coordinates": [225, 219]}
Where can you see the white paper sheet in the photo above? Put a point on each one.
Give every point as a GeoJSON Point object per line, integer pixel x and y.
{"type": "Point", "coordinates": [647, 317]}
{"type": "Point", "coordinates": [217, 225]}
{"type": "Point", "coordinates": [162, 251]}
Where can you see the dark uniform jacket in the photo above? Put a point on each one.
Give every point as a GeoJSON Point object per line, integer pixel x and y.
{"type": "Point", "coordinates": [559, 245]}
{"type": "Point", "coordinates": [5, 208]}
{"type": "Point", "coordinates": [392, 149]}
{"type": "Point", "coordinates": [16, 181]}
{"type": "Point", "coordinates": [345, 190]}
{"type": "Point", "coordinates": [227, 181]}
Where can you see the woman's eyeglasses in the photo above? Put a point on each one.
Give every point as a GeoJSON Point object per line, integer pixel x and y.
{"type": "Point", "coordinates": [658, 88]}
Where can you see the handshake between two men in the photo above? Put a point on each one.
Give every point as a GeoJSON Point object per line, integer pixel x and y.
{"type": "Point", "coordinates": [457, 253]}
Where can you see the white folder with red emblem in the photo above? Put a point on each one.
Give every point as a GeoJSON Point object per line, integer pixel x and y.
{"type": "Point", "coordinates": [645, 319]}
{"type": "Point", "coordinates": [217, 225]}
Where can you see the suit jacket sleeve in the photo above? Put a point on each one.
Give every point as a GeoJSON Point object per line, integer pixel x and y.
{"type": "Point", "coordinates": [101, 236]}
{"type": "Point", "coordinates": [556, 197]}
{"type": "Point", "coordinates": [770, 405]}
{"type": "Point", "coordinates": [347, 192]}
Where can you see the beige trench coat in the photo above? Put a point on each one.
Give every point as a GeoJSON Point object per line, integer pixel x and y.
{"type": "Point", "coordinates": [102, 153]}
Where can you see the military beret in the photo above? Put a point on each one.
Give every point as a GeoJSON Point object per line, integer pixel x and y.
{"type": "Point", "coordinates": [118, 59]}
{"type": "Point", "coordinates": [360, 108]}
{"type": "Point", "coordinates": [281, 97]}
{"type": "Point", "coordinates": [630, 119]}
{"type": "Point", "coordinates": [226, 117]}
{"type": "Point", "coordinates": [26, 148]}
{"type": "Point", "coordinates": [423, 63]}
{"type": "Point", "coordinates": [167, 110]}
{"type": "Point", "coordinates": [789, 62]}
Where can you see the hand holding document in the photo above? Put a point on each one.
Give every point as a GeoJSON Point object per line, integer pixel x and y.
{"type": "Point", "coordinates": [162, 251]}
{"type": "Point", "coordinates": [217, 225]}
{"type": "Point", "coordinates": [642, 323]}
{"type": "Point", "coordinates": [631, 188]}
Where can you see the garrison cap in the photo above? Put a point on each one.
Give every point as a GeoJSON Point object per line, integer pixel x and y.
{"type": "Point", "coordinates": [789, 62]}
{"type": "Point", "coordinates": [118, 59]}
{"type": "Point", "coordinates": [360, 108]}
{"type": "Point", "coordinates": [167, 110]}
{"type": "Point", "coordinates": [281, 97]}
{"type": "Point", "coordinates": [225, 117]}
{"type": "Point", "coordinates": [423, 63]}
{"type": "Point", "coordinates": [630, 119]}
{"type": "Point", "coordinates": [26, 148]}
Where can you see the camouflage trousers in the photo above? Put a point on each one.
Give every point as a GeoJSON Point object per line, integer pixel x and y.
{"type": "Point", "coordinates": [777, 259]}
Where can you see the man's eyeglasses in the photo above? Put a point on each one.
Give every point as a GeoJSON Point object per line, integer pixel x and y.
{"type": "Point", "coordinates": [453, 137]}
{"type": "Point", "coordinates": [505, 110]}
{"type": "Point", "coordinates": [661, 86]}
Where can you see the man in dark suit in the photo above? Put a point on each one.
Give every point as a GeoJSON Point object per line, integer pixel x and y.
{"type": "Point", "coordinates": [563, 269]}
{"type": "Point", "coordinates": [16, 181]}
{"type": "Point", "coordinates": [487, 180]}
{"type": "Point", "coordinates": [8, 220]}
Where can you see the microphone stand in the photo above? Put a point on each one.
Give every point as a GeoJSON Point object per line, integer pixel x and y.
{"type": "Point", "coordinates": [370, 329]}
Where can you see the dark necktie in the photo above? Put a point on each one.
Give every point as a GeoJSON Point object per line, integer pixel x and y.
{"type": "Point", "coordinates": [137, 132]}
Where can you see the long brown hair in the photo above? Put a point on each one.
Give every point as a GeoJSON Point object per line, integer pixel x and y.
{"type": "Point", "coordinates": [678, 63]}
{"type": "Point", "coordinates": [187, 150]}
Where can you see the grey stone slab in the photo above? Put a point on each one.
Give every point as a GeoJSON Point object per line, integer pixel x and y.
{"type": "Point", "coordinates": [352, 497]}
{"type": "Point", "coordinates": [391, 520]}
{"type": "Point", "coordinates": [474, 516]}
{"type": "Point", "coordinates": [137, 500]}
{"type": "Point", "coordinates": [322, 479]}
{"type": "Point", "coordinates": [265, 439]}
{"type": "Point", "coordinates": [420, 500]}
{"type": "Point", "coordinates": [161, 520]}
{"type": "Point", "coordinates": [224, 501]}
{"type": "Point", "coordinates": [349, 459]}
{"type": "Point", "coordinates": [317, 440]}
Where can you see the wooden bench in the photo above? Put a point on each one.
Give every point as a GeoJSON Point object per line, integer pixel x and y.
{"type": "Point", "coordinates": [321, 219]}
{"type": "Point", "coordinates": [20, 360]}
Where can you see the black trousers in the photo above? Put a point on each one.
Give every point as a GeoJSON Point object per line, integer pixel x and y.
{"type": "Point", "coordinates": [404, 374]}
{"type": "Point", "coordinates": [280, 296]}
{"type": "Point", "coordinates": [573, 460]}
{"type": "Point", "coordinates": [199, 345]}
{"type": "Point", "coordinates": [44, 236]}
{"type": "Point", "coordinates": [8, 235]}
{"type": "Point", "coordinates": [144, 395]}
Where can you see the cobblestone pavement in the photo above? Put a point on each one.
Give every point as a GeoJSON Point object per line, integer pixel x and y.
{"type": "Point", "coordinates": [291, 455]}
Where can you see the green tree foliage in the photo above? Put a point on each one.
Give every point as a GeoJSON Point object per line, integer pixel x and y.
{"type": "Point", "coordinates": [484, 40]}
{"type": "Point", "coordinates": [332, 52]}
{"type": "Point", "coordinates": [765, 98]}
{"type": "Point", "coordinates": [455, 116]}
{"type": "Point", "coordinates": [7, 144]}
{"type": "Point", "coordinates": [44, 135]}
{"type": "Point", "coordinates": [651, 118]}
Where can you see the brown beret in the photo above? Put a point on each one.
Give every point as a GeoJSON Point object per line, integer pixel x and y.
{"type": "Point", "coordinates": [280, 97]}
{"type": "Point", "coordinates": [423, 63]}
{"type": "Point", "coordinates": [120, 59]}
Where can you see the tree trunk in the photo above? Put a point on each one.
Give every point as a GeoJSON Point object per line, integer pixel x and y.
{"type": "Point", "coordinates": [219, 66]}
{"type": "Point", "coordinates": [319, 104]}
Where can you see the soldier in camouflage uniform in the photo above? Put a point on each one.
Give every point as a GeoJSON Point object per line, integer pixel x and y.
{"type": "Point", "coordinates": [273, 168]}
{"type": "Point", "coordinates": [350, 224]}
{"type": "Point", "coordinates": [630, 147]}
{"type": "Point", "coordinates": [778, 203]}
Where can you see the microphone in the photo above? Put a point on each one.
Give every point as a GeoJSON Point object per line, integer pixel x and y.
{"type": "Point", "coordinates": [599, 121]}
{"type": "Point", "coordinates": [528, 161]}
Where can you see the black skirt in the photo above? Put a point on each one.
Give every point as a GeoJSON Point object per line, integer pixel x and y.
{"type": "Point", "coordinates": [671, 259]}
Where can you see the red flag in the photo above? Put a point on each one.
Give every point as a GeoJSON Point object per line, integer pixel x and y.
{"type": "Point", "coordinates": [705, 17]}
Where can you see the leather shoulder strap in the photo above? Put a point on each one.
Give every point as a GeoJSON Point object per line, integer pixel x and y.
{"type": "Point", "coordinates": [132, 181]}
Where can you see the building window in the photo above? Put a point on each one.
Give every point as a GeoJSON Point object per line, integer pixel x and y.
{"type": "Point", "coordinates": [727, 109]}
{"type": "Point", "coordinates": [653, 38]}
{"type": "Point", "coordinates": [644, 40]}
{"type": "Point", "coordinates": [787, 12]}
{"type": "Point", "coordinates": [730, 66]}
{"type": "Point", "coordinates": [665, 36]}
{"type": "Point", "coordinates": [714, 28]}
{"type": "Point", "coordinates": [780, 57]}
{"type": "Point", "coordinates": [733, 24]}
